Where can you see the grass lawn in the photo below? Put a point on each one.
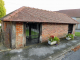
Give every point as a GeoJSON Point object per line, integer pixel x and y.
{"type": "Point", "coordinates": [0, 26]}
{"type": "Point", "coordinates": [32, 33]}
{"type": "Point", "coordinates": [77, 34]}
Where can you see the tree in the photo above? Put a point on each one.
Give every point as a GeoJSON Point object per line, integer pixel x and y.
{"type": "Point", "coordinates": [2, 9]}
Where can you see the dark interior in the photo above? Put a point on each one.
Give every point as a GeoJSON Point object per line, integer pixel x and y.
{"type": "Point", "coordinates": [32, 33]}
{"type": "Point", "coordinates": [70, 28]}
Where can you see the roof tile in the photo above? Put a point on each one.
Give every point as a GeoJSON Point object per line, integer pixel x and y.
{"type": "Point", "coordinates": [27, 14]}
{"type": "Point", "coordinates": [71, 12]}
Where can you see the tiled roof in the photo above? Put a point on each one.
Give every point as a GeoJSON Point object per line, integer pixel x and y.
{"type": "Point", "coordinates": [71, 12]}
{"type": "Point", "coordinates": [27, 14]}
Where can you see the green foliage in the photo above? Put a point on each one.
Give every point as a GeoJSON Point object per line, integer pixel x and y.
{"type": "Point", "coordinates": [35, 34]}
{"type": "Point", "coordinates": [77, 34]}
{"type": "Point", "coordinates": [51, 39]}
{"type": "Point", "coordinates": [0, 26]}
{"type": "Point", "coordinates": [70, 36]}
{"type": "Point", "coordinates": [54, 39]}
{"type": "Point", "coordinates": [2, 9]}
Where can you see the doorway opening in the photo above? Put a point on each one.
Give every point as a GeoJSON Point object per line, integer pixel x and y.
{"type": "Point", "coordinates": [32, 33]}
{"type": "Point", "coordinates": [70, 28]}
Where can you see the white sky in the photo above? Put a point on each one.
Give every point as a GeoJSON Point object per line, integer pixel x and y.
{"type": "Point", "coordinates": [52, 5]}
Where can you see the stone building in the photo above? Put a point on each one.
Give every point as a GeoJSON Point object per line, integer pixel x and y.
{"type": "Point", "coordinates": [26, 26]}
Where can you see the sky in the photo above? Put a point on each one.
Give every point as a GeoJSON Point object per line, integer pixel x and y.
{"type": "Point", "coordinates": [50, 5]}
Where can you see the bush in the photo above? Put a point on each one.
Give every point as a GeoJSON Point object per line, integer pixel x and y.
{"type": "Point", "coordinates": [70, 36]}
{"type": "Point", "coordinates": [56, 39]}
{"type": "Point", "coordinates": [52, 38]}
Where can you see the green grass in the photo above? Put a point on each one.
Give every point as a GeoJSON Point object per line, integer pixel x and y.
{"type": "Point", "coordinates": [77, 34]}
{"type": "Point", "coordinates": [32, 33]}
{"type": "Point", "coordinates": [0, 26]}
{"type": "Point", "coordinates": [27, 32]}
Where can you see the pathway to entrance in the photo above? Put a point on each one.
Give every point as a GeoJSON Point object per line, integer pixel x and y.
{"type": "Point", "coordinates": [40, 51]}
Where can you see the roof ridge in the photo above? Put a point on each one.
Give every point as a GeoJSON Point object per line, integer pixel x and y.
{"type": "Point", "coordinates": [15, 12]}
{"type": "Point", "coordinates": [37, 9]}
{"type": "Point", "coordinates": [42, 9]}
{"type": "Point", "coordinates": [46, 10]}
{"type": "Point", "coordinates": [21, 8]}
{"type": "Point", "coordinates": [31, 15]}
